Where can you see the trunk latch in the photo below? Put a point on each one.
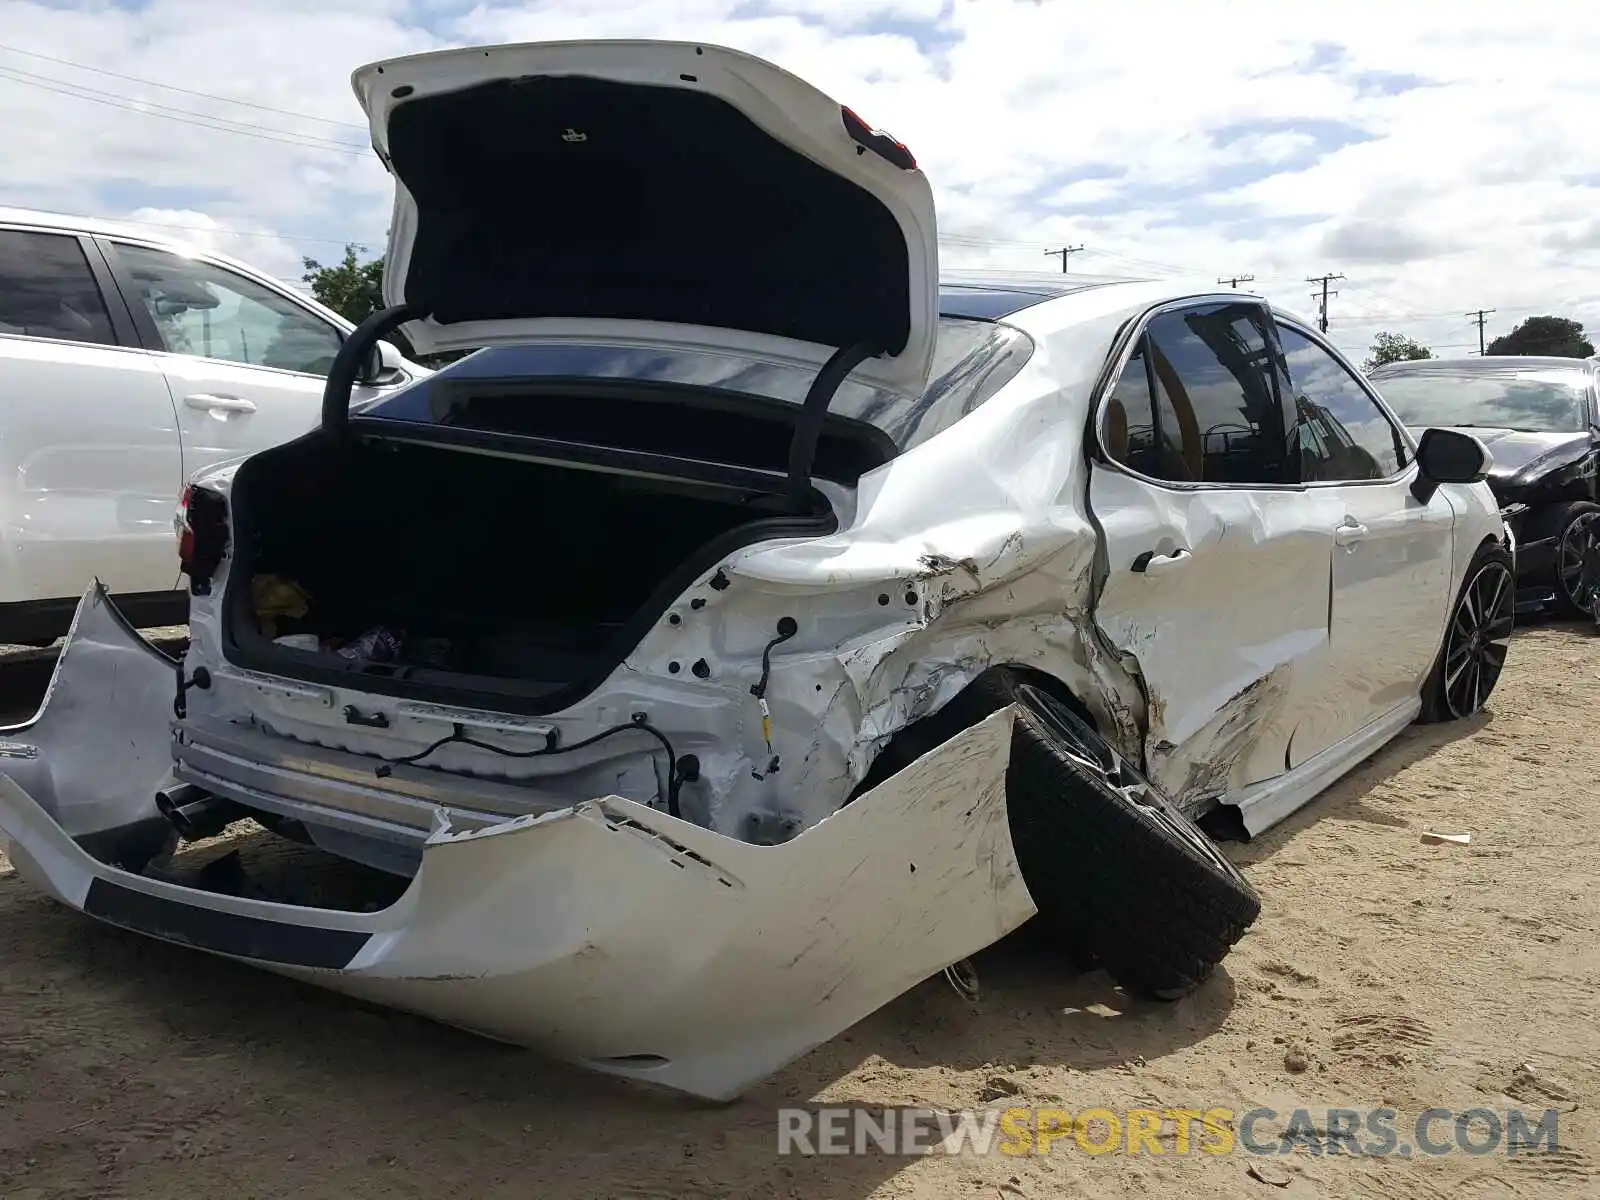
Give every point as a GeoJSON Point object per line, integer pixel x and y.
{"type": "Point", "coordinates": [354, 716]}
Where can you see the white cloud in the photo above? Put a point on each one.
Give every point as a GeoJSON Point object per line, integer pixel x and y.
{"type": "Point", "coordinates": [1248, 136]}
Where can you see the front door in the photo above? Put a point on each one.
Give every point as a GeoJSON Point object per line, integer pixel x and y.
{"type": "Point", "coordinates": [1218, 584]}
{"type": "Point", "coordinates": [1393, 552]}
{"type": "Point", "coordinates": [246, 364]}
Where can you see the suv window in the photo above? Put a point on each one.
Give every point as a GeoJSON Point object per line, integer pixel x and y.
{"type": "Point", "coordinates": [212, 312]}
{"type": "Point", "coordinates": [48, 291]}
{"type": "Point", "coordinates": [1338, 431]}
{"type": "Point", "coordinates": [1195, 402]}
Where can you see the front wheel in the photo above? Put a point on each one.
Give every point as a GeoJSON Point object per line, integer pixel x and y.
{"type": "Point", "coordinates": [1578, 531]}
{"type": "Point", "coordinates": [1477, 638]}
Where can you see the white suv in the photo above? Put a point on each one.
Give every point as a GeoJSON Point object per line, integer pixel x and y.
{"type": "Point", "coordinates": [128, 363]}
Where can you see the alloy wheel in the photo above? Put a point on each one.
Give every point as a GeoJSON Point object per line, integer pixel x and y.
{"type": "Point", "coordinates": [1114, 771]}
{"type": "Point", "coordinates": [1574, 544]}
{"type": "Point", "coordinates": [1479, 639]}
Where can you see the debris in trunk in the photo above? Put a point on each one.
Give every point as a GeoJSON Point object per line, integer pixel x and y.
{"type": "Point", "coordinates": [299, 641]}
{"type": "Point", "coordinates": [375, 645]}
{"type": "Point", "coordinates": [275, 598]}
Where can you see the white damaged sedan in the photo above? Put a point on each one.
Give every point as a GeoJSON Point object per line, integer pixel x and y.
{"type": "Point", "coordinates": [759, 622]}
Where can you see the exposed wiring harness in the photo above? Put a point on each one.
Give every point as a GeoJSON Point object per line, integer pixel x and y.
{"type": "Point", "coordinates": [679, 770]}
{"type": "Point", "coordinates": [787, 628]}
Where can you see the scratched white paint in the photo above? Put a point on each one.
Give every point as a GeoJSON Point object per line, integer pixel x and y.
{"type": "Point", "coordinates": [609, 931]}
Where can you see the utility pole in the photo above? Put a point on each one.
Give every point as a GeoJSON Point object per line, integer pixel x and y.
{"type": "Point", "coordinates": [1235, 280]}
{"type": "Point", "coordinates": [1065, 252]}
{"type": "Point", "coordinates": [1477, 318]}
{"type": "Point", "coordinates": [1322, 313]}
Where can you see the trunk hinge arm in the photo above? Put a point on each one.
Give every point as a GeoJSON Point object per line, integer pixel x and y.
{"type": "Point", "coordinates": [808, 426]}
{"type": "Point", "coordinates": [353, 354]}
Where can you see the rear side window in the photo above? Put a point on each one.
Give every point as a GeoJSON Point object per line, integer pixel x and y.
{"type": "Point", "coordinates": [1195, 403]}
{"type": "Point", "coordinates": [48, 291]}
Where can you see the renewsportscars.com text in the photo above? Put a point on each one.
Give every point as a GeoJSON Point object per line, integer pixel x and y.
{"type": "Point", "coordinates": [1372, 1132]}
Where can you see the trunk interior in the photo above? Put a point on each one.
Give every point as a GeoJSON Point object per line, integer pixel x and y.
{"type": "Point", "coordinates": [496, 581]}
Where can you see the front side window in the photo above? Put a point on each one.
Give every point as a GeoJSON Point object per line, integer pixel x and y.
{"type": "Point", "coordinates": [1195, 403]}
{"type": "Point", "coordinates": [48, 291]}
{"type": "Point", "coordinates": [210, 312]}
{"type": "Point", "coordinates": [1337, 431]}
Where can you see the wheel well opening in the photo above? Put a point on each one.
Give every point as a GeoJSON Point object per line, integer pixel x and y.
{"type": "Point", "coordinates": [986, 694]}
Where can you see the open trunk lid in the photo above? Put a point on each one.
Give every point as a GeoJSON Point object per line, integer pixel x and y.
{"type": "Point", "coordinates": [650, 192]}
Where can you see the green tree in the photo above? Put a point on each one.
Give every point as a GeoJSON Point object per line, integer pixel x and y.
{"type": "Point", "coordinates": [1395, 347]}
{"type": "Point", "coordinates": [352, 288]}
{"type": "Point", "coordinates": [1558, 337]}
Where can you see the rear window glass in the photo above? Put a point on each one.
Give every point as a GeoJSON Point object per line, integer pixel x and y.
{"type": "Point", "coordinates": [972, 361]}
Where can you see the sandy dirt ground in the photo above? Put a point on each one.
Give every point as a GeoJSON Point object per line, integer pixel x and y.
{"type": "Point", "coordinates": [1383, 972]}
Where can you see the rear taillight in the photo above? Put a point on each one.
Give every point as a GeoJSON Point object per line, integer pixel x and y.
{"type": "Point", "coordinates": [202, 536]}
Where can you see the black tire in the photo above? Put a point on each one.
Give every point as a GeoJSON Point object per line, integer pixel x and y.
{"type": "Point", "coordinates": [1477, 636]}
{"type": "Point", "coordinates": [1120, 877]}
{"type": "Point", "coordinates": [1573, 529]}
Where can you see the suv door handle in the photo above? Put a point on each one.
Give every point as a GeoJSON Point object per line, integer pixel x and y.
{"type": "Point", "coordinates": [1349, 533]}
{"type": "Point", "coordinates": [1150, 563]}
{"type": "Point", "coordinates": [207, 402]}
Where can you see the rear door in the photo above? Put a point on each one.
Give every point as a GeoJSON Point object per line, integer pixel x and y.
{"type": "Point", "coordinates": [1392, 552]}
{"type": "Point", "coordinates": [245, 362]}
{"type": "Point", "coordinates": [1218, 563]}
{"type": "Point", "coordinates": [89, 454]}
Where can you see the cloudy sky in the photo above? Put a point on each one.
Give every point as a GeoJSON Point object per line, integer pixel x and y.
{"type": "Point", "coordinates": [1440, 154]}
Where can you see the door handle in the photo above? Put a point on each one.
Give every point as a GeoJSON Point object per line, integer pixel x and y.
{"type": "Point", "coordinates": [1349, 533]}
{"type": "Point", "coordinates": [207, 402]}
{"type": "Point", "coordinates": [1150, 563]}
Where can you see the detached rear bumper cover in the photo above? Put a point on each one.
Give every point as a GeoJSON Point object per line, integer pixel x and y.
{"type": "Point", "coordinates": [607, 934]}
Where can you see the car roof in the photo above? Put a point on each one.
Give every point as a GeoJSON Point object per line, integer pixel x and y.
{"type": "Point", "coordinates": [131, 230]}
{"type": "Point", "coordinates": [1487, 364]}
{"type": "Point", "coordinates": [71, 223]}
{"type": "Point", "coordinates": [174, 242]}
{"type": "Point", "coordinates": [994, 295]}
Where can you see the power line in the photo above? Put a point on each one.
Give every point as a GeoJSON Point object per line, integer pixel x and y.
{"type": "Point", "coordinates": [182, 116]}
{"type": "Point", "coordinates": [1235, 280]}
{"type": "Point", "coordinates": [1322, 312]}
{"type": "Point", "coordinates": [174, 88]}
{"type": "Point", "coordinates": [1478, 317]}
{"type": "Point", "coordinates": [1065, 252]}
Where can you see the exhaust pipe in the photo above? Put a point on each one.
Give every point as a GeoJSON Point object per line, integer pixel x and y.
{"type": "Point", "coordinates": [196, 813]}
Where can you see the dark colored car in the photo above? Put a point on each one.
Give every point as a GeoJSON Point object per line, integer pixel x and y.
{"type": "Point", "coordinates": [1540, 420]}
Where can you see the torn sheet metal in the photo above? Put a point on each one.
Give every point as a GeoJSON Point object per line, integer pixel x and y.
{"type": "Point", "coordinates": [1229, 611]}
{"type": "Point", "coordinates": [607, 933]}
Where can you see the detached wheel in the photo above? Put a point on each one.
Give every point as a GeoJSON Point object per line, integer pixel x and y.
{"type": "Point", "coordinates": [1578, 529]}
{"type": "Point", "coordinates": [1477, 639]}
{"type": "Point", "coordinates": [1122, 879]}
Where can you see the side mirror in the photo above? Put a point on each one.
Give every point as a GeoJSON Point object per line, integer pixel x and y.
{"type": "Point", "coordinates": [381, 363]}
{"type": "Point", "coordinates": [1449, 456]}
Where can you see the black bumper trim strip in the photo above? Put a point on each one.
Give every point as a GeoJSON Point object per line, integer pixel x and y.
{"type": "Point", "coordinates": [224, 933]}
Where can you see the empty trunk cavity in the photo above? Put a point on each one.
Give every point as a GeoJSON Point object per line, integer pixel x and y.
{"type": "Point", "coordinates": [432, 572]}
